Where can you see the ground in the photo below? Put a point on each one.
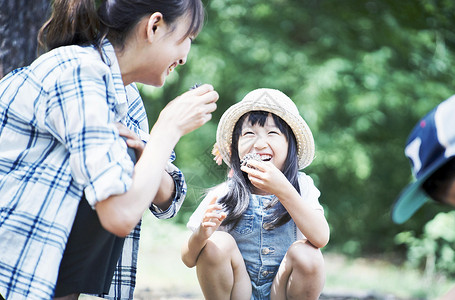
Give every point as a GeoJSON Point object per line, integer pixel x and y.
{"type": "Point", "coordinates": [162, 275]}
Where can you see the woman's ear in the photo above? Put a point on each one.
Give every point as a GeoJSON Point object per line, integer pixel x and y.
{"type": "Point", "coordinates": [155, 25]}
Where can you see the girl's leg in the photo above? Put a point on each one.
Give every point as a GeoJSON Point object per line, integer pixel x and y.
{"type": "Point", "coordinates": [301, 274]}
{"type": "Point", "coordinates": [221, 271]}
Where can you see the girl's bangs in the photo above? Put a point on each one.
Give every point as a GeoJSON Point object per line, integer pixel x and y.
{"type": "Point", "coordinates": [260, 117]}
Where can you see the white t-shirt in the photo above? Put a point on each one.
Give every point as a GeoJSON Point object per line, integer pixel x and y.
{"type": "Point", "coordinates": [310, 194]}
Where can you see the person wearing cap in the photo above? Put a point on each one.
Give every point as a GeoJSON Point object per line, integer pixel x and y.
{"type": "Point", "coordinates": [430, 149]}
{"type": "Point", "coordinates": [258, 235]}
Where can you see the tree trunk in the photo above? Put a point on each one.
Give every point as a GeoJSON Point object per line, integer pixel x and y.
{"type": "Point", "coordinates": [20, 21]}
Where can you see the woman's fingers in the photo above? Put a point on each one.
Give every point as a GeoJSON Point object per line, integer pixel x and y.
{"type": "Point", "coordinates": [207, 105]}
{"type": "Point", "coordinates": [124, 131]}
{"type": "Point", "coordinates": [190, 110]}
{"type": "Point", "coordinates": [205, 94]}
{"type": "Point", "coordinates": [132, 140]}
{"type": "Point", "coordinates": [201, 90]}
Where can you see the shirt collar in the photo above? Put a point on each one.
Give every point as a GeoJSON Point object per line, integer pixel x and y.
{"type": "Point", "coordinates": [110, 59]}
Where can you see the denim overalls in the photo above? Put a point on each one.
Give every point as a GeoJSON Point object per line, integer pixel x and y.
{"type": "Point", "coordinates": [262, 250]}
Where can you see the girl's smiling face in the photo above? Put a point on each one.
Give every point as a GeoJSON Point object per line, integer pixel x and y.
{"type": "Point", "coordinates": [267, 141]}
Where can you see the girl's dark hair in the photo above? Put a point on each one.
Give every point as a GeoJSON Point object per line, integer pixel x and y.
{"type": "Point", "coordinates": [237, 199]}
{"type": "Point", "coordinates": [437, 185]}
{"type": "Point", "coordinates": [79, 22]}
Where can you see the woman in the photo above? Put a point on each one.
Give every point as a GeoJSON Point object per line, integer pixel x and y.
{"type": "Point", "coordinates": [60, 142]}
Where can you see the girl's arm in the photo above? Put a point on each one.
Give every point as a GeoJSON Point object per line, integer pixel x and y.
{"type": "Point", "coordinates": [311, 222]}
{"type": "Point", "coordinates": [192, 249]}
{"type": "Point", "coordinates": [119, 214]}
{"type": "Point", "coordinates": [198, 239]}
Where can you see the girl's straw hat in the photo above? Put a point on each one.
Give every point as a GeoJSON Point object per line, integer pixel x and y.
{"type": "Point", "coordinates": [273, 101]}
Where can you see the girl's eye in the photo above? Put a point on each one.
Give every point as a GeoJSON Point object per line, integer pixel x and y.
{"type": "Point", "coordinates": [248, 133]}
{"type": "Point", "coordinates": [274, 132]}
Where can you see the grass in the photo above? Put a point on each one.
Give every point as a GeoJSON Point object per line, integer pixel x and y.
{"type": "Point", "coordinates": [379, 276]}
{"type": "Point", "coordinates": [160, 270]}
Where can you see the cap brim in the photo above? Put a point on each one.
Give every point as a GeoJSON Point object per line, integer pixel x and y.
{"type": "Point", "coordinates": [413, 197]}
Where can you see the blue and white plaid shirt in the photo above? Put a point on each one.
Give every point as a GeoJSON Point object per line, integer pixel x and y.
{"type": "Point", "coordinates": [57, 141]}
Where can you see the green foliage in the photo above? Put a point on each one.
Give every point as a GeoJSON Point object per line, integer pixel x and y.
{"type": "Point", "coordinates": [434, 249]}
{"type": "Point", "coordinates": [361, 73]}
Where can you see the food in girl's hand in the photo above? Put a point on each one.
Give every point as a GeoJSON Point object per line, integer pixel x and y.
{"type": "Point", "coordinates": [249, 156]}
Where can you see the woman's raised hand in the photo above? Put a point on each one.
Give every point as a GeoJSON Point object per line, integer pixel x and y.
{"type": "Point", "coordinates": [190, 110]}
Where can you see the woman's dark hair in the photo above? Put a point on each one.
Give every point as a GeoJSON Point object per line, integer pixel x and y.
{"type": "Point", "coordinates": [437, 185]}
{"type": "Point", "coordinates": [237, 199]}
{"type": "Point", "coordinates": [79, 22]}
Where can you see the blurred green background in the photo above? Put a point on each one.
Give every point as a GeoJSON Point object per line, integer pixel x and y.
{"type": "Point", "coordinates": [361, 73]}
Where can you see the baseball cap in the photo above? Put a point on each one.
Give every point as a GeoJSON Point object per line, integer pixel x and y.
{"type": "Point", "coordinates": [429, 146]}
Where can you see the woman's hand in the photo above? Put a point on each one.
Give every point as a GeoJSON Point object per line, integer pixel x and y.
{"type": "Point", "coordinates": [213, 218]}
{"type": "Point", "coordinates": [132, 140]}
{"type": "Point", "coordinates": [189, 111]}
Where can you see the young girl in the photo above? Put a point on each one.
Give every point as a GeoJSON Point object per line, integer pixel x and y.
{"type": "Point", "coordinates": [258, 234]}
{"type": "Point", "coordinates": [70, 192]}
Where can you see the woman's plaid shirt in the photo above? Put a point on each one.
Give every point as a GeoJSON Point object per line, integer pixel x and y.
{"type": "Point", "coordinates": [58, 140]}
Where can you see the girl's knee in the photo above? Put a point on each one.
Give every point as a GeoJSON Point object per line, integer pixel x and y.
{"type": "Point", "coordinates": [218, 248]}
{"type": "Point", "coordinates": [305, 257]}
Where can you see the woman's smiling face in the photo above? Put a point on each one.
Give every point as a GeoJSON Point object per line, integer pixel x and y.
{"type": "Point", "coordinates": [169, 47]}
{"type": "Point", "coordinates": [267, 141]}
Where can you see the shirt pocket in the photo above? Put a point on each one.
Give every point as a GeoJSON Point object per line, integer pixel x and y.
{"type": "Point", "coordinates": [245, 225]}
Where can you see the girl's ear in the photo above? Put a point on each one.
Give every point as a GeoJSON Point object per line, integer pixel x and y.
{"type": "Point", "coordinates": [155, 26]}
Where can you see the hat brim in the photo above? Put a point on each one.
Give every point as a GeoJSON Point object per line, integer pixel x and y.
{"type": "Point", "coordinates": [413, 197]}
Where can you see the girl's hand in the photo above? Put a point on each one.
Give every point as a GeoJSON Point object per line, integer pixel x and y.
{"type": "Point", "coordinates": [266, 177]}
{"type": "Point", "coordinates": [132, 140]}
{"type": "Point", "coordinates": [311, 222]}
{"type": "Point", "coordinates": [190, 110]}
{"type": "Point", "coordinates": [212, 219]}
